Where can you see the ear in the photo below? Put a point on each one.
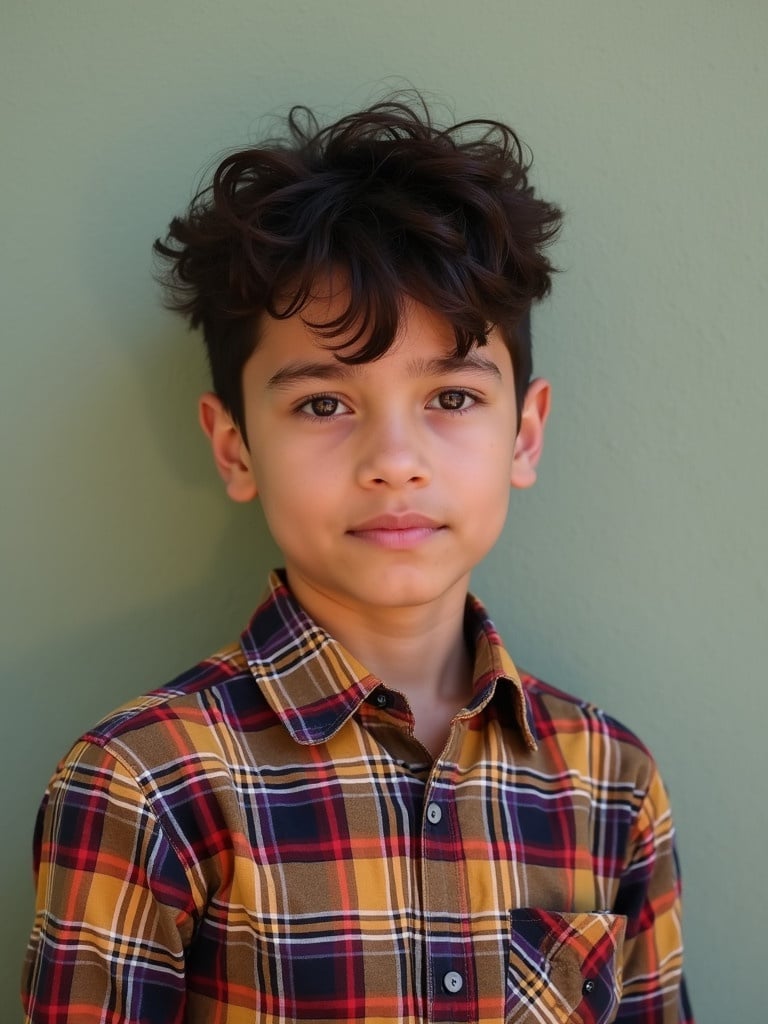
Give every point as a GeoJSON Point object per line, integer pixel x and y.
{"type": "Point", "coordinates": [530, 437]}
{"type": "Point", "coordinates": [230, 452]}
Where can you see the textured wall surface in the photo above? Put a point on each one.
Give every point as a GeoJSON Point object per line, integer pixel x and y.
{"type": "Point", "coordinates": [635, 573]}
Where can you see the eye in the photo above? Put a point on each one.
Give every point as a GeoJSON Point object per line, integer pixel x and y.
{"type": "Point", "coordinates": [323, 407]}
{"type": "Point", "coordinates": [453, 400]}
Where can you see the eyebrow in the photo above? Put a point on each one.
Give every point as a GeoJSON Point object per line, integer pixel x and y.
{"type": "Point", "coordinates": [472, 362]}
{"type": "Point", "coordinates": [293, 373]}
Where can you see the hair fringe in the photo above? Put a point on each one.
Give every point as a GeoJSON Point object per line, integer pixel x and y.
{"type": "Point", "coordinates": [402, 207]}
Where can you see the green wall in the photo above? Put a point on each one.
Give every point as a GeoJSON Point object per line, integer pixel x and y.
{"type": "Point", "coordinates": [635, 573]}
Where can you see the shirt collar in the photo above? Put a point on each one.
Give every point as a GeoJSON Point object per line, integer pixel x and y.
{"type": "Point", "coordinates": [314, 685]}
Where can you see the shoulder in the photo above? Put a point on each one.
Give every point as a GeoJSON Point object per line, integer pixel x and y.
{"type": "Point", "coordinates": [553, 706]}
{"type": "Point", "coordinates": [585, 737]}
{"type": "Point", "coordinates": [168, 763]}
{"type": "Point", "coordinates": [215, 679]}
{"type": "Point", "coordinates": [189, 720]}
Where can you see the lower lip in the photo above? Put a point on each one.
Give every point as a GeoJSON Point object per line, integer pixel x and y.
{"type": "Point", "coordinates": [397, 540]}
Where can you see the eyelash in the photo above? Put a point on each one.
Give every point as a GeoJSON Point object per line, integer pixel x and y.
{"type": "Point", "coordinates": [474, 399]}
{"type": "Point", "coordinates": [318, 398]}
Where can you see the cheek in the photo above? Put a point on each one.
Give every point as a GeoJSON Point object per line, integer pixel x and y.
{"type": "Point", "coordinates": [486, 488]}
{"type": "Point", "coordinates": [485, 462]}
{"type": "Point", "coordinates": [296, 492]}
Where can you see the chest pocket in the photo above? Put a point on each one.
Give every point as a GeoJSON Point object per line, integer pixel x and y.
{"type": "Point", "coordinates": [564, 967]}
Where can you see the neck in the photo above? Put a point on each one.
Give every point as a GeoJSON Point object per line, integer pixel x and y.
{"type": "Point", "coordinates": [420, 651]}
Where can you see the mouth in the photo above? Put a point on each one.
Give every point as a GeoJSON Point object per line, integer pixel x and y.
{"type": "Point", "coordinates": [397, 532]}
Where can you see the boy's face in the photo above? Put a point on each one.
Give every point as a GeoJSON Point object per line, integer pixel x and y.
{"type": "Point", "coordinates": [383, 483]}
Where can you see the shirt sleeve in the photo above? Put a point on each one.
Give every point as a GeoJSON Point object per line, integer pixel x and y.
{"type": "Point", "coordinates": [654, 990]}
{"type": "Point", "coordinates": [114, 906]}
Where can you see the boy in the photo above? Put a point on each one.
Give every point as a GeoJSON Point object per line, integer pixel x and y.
{"type": "Point", "coordinates": [362, 811]}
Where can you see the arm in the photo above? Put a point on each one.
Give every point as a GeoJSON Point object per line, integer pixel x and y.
{"type": "Point", "coordinates": [114, 907]}
{"type": "Point", "coordinates": [649, 895]}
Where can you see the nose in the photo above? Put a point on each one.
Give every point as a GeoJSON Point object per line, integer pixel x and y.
{"type": "Point", "coordinates": [392, 454]}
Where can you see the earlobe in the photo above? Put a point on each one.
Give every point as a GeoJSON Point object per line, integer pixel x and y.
{"type": "Point", "coordinates": [230, 452]}
{"type": "Point", "coordinates": [530, 437]}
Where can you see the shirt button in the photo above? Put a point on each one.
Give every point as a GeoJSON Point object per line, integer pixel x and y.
{"type": "Point", "coordinates": [453, 982]}
{"type": "Point", "coordinates": [381, 700]}
{"type": "Point", "coordinates": [589, 987]}
{"type": "Point", "coordinates": [434, 817]}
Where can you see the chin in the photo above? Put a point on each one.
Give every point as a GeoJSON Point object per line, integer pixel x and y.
{"type": "Point", "coordinates": [411, 589]}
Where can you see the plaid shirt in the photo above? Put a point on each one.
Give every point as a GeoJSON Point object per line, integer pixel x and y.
{"type": "Point", "coordinates": [263, 840]}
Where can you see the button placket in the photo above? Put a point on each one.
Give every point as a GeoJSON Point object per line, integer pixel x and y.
{"type": "Point", "coordinates": [451, 987]}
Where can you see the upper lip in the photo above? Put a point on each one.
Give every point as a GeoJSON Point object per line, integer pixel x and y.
{"type": "Point", "coordinates": [394, 521]}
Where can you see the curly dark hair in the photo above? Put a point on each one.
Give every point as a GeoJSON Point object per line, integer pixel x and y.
{"type": "Point", "coordinates": [402, 207]}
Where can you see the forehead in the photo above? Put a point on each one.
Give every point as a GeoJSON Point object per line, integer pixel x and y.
{"type": "Point", "coordinates": [424, 345]}
{"type": "Point", "coordinates": [329, 318]}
